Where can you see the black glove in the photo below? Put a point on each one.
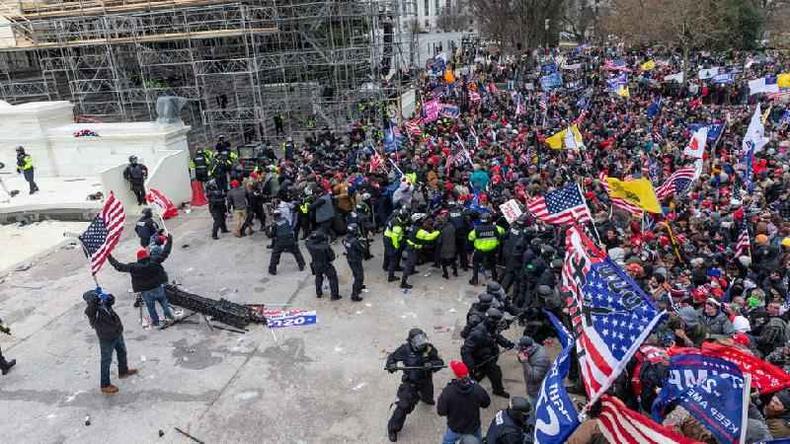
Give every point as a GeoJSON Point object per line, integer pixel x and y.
{"type": "Point", "coordinates": [428, 365]}
{"type": "Point", "coordinates": [509, 345]}
{"type": "Point", "coordinates": [391, 368]}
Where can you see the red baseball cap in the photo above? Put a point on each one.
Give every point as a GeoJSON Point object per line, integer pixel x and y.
{"type": "Point", "coordinates": [459, 369]}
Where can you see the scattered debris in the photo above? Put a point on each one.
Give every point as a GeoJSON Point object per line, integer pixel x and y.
{"type": "Point", "coordinates": [88, 420]}
{"type": "Point", "coordinates": [188, 435]}
{"type": "Point", "coordinates": [185, 246]}
{"type": "Point", "coordinates": [23, 267]}
{"type": "Point", "coordinates": [161, 433]}
{"type": "Point", "coordinates": [359, 386]}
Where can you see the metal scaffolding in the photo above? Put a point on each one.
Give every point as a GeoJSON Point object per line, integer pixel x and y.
{"type": "Point", "coordinates": [315, 63]}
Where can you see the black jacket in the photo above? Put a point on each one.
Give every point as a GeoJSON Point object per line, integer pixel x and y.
{"type": "Point", "coordinates": [412, 358]}
{"type": "Point", "coordinates": [283, 233]}
{"type": "Point", "coordinates": [461, 401]}
{"type": "Point", "coordinates": [102, 317]}
{"type": "Point", "coordinates": [355, 250]}
{"type": "Point", "coordinates": [147, 273]}
{"type": "Point", "coordinates": [320, 252]}
{"type": "Point", "coordinates": [482, 346]}
{"type": "Point", "coordinates": [145, 228]}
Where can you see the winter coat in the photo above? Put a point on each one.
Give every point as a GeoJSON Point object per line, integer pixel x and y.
{"type": "Point", "coordinates": [772, 336]}
{"type": "Point", "coordinates": [718, 325]}
{"type": "Point", "coordinates": [461, 401]}
{"type": "Point", "coordinates": [535, 368]}
{"type": "Point", "coordinates": [324, 208]}
{"type": "Point", "coordinates": [446, 242]}
{"type": "Point", "coordinates": [321, 254]}
{"type": "Point", "coordinates": [102, 317]}
{"type": "Point", "coordinates": [403, 195]}
{"type": "Point", "coordinates": [146, 273]}
{"type": "Point", "coordinates": [237, 199]}
{"type": "Point", "coordinates": [413, 358]}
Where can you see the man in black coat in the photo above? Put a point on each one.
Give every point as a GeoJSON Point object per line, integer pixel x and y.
{"type": "Point", "coordinates": [355, 252]}
{"type": "Point", "coordinates": [284, 241]}
{"type": "Point", "coordinates": [461, 401]}
{"type": "Point", "coordinates": [109, 329]}
{"type": "Point", "coordinates": [148, 278]}
{"type": "Point", "coordinates": [321, 264]}
{"type": "Point", "coordinates": [5, 365]}
{"type": "Point", "coordinates": [420, 361]}
{"type": "Point", "coordinates": [481, 350]}
{"type": "Point", "coordinates": [146, 227]}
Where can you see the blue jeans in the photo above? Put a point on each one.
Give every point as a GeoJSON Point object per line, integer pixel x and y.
{"type": "Point", "coordinates": [106, 346]}
{"type": "Point", "coordinates": [151, 297]}
{"type": "Point", "coordinates": [451, 437]}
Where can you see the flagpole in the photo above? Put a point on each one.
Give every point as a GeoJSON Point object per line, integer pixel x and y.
{"type": "Point", "coordinates": [87, 256]}
{"type": "Point", "coordinates": [592, 220]}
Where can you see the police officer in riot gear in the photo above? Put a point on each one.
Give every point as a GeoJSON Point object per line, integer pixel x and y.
{"type": "Point", "coordinates": [512, 425]}
{"type": "Point", "coordinates": [460, 219]}
{"type": "Point", "coordinates": [283, 239]}
{"type": "Point", "coordinates": [480, 351]}
{"type": "Point", "coordinates": [217, 207]}
{"type": "Point", "coordinates": [201, 163]}
{"type": "Point", "coordinates": [420, 360]}
{"type": "Point", "coordinates": [355, 251]}
{"type": "Point", "coordinates": [477, 312]}
{"type": "Point", "coordinates": [146, 227]}
{"type": "Point", "coordinates": [513, 247]}
{"type": "Point", "coordinates": [136, 173]}
{"type": "Point", "coordinates": [393, 242]}
{"type": "Point", "coordinates": [321, 264]}
{"type": "Point", "coordinates": [485, 240]}
{"type": "Point", "coordinates": [417, 236]}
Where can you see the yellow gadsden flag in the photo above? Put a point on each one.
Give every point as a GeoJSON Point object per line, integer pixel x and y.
{"type": "Point", "coordinates": [569, 138]}
{"type": "Point", "coordinates": [648, 65]}
{"type": "Point", "coordinates": [638, 192]}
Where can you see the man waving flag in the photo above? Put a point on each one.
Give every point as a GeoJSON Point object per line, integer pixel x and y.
{"type": "Point", "coordinates": [611, 315]}
{"type": "Point", "coordinates": [103, 233]}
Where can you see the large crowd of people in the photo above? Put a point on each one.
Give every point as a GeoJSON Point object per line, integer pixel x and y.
{"type": "Point", "coordinates": [432, 189]}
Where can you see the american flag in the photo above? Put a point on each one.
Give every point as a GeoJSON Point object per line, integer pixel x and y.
{"type": "Point", "coordinates": [561, 207]}
{"type": "Point", "coordinates": [657, 137]}
{"type": "Point", "coordinates": [413, 127]}
{"type": "Point", "coordinates": [611, 315]}
{"type": "Point", "coordinates": [103, 233]}
{"type": "Point", "coordinates": [543, 102]}
{"type": "Point", "coordinates": [677, 183]}
{"type": "Point", "coordinates": [742, 245]}
{"type": "Point", "coordinates": [376, 162]}
{"type": "Point", "coordinates": [617, 202]}
{"type": "Point", "coordinates": [620, 424]}
{"type": "Point", "coordinates": [474, 97]}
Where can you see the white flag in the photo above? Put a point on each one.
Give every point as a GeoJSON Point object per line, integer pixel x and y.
{"type": "Point", "coordinates": [696, 146]}
{"type": "Point", "coordinates": [755, 134]}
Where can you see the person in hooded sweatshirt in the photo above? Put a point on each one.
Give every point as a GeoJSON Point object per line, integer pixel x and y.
{"type": "Point", "coordinates": [402, 196]}
{"type": "Point", "coordinates": [715, 320]}
{"type": "Point", "coordinates": [461, 401]}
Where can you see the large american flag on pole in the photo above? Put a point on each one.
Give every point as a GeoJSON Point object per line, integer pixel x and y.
{"type": "Point", "coordinates": [103, 233]}
{"type": "Point", "coordinates": [620, 424]}
{"type": "Point", "coordinates": [677, 183]}
{"type": "Point", "coordinates": [617, 202]}
{"type": "Point", "coordinates": [561, 207]}
{"type": "Point", "coordinates": [610, 314]}
{"type": "Point", "coordinates": [742, 245]}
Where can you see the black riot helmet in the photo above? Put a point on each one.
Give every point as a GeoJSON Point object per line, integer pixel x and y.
{"type": "Point", "coordinates": [418, 340]}
{"type": "Point", "coordinates": [147, 212]}
{"type": "Point", "coordinates": [495, 288]}
{"type": "Point", "coordinates": [133, 159]}
{"type": "Point", "coordinates": [519, 409]}
{"type": "Point", "coordinates": [493, 316]}
{"type": "Point", "coordinates": [485, 218]}
{"type": "Point", "coordinates": [485, 299]}
{"type": "Point", "coordinates": [544, 290]}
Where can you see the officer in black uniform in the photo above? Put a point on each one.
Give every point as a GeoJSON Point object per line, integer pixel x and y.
{"type": "Point", "coordinates": [217, 207]}
{"type": "Point", "coordinates": [355, 251]}
{"type": "Point", "coordinates": [512, 425]}
{"type": "Point", "coordinates": [362, 219]}
{"type": "Point", "coordinates": [460, 219]}
{"type": "Point", "coordinates": [201, 163]}
{"type": "Point", "coordinates": [477, 313]}
{"type": "Point", "coordinates": [321, 265]}
{"type": "Point", "coordinates": [513, 247]}
{"type": "Point", "coordinates": [283, 239]}
{"type": "Point", "coordinates": [136, 173]}
{"type": "Point", "coordinates": [480, 351]}
{"type": "Point", "coordinates": [420, 360]}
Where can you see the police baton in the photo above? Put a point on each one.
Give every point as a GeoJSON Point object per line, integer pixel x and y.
{"type": "Point", "coordinates": [492, 358]}
{"type": "Point", "coordinates": [431, 367]}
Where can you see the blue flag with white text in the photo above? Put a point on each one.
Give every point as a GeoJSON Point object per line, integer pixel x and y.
{"type": "Point", "coordinates": [555, 415]}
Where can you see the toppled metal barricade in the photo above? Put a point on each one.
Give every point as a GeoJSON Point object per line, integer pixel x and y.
{"type": "Point", "coordinates": [222, 310]}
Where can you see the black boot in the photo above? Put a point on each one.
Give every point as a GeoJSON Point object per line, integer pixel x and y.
{"type": "Point", "coordinates": [393, 436]}
{"type": "Point", "coordinates": [5, 366]}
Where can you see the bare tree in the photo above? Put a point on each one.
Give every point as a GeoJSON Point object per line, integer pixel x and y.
{"type": "Point", "coordinates": [519, 24]}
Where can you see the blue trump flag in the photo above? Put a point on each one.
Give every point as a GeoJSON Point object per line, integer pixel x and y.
{"type": "Point", "coordinates": [654, 108]}
{"type": "Point", "coordinates": [711, 389]}
{"type": "Point", "coordinates": [555, 415]}
{"type": "Point", "coordinates": [714, 129]}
